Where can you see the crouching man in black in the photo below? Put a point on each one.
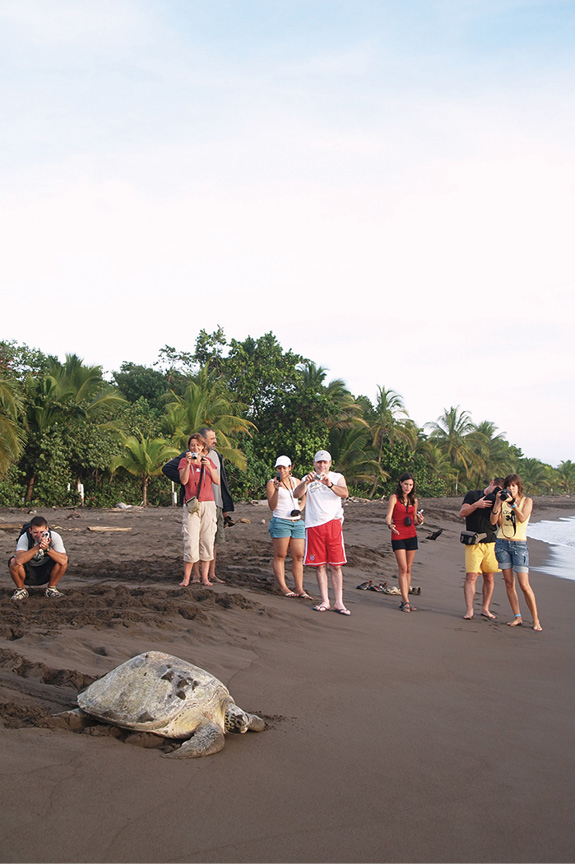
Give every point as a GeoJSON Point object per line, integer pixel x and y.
{"type": "Point", "coordinates": [40, 558]}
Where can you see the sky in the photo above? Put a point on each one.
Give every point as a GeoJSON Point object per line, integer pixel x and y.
{"type": "Point", "coordinates": [387, 185]}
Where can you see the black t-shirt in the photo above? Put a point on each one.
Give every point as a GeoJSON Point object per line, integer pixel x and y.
{"type": "Point", "coordinates": [479, 520]}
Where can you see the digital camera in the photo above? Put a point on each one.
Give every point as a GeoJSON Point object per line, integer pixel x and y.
{"type": "Point", "coordinates": [505, 494]}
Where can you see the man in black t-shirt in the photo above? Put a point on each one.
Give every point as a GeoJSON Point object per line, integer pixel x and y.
{"type": "Point", "coordinates": [480, 558]}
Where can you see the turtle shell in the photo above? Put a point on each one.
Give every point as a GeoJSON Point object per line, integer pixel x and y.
{"type": "Point", "coordinates": [155, 692]}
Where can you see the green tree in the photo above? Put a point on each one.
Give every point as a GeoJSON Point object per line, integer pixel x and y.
{"type": "Point", "coordinates": [566, 476]}
{"type": "Point", "coordinates": [144, 458]}
{"type": "Point", "coordinates": [55, 400]}
{"type": "Point", "coordinates": [389, 426]}
{"type": "Point", "coordinates": [451, 433]}
{"type": "Point", "coordinates": [11, 434]}
{"type": "Point", "coordinates": [207, 403]}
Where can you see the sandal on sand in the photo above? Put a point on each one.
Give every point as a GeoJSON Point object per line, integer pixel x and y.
{"type": "Point", "coordinates": [321, 608]}
{"type": "Point", "coordinates": [393, 590]}
{"type": "Point", "coordinates": [415, 589]}
{"type": "Point", "coordinates": [380, 587]}
{"type": "Point", "coordinates": [404, 607]}
{"type": "Point", "coordinates": [365, 585]}
{"type": "Point", "coordinates": [305, 596]}
{"type": "Point", "coordinates": [342, 611]}
{"type": "Point", "coordinates": [291, 594]}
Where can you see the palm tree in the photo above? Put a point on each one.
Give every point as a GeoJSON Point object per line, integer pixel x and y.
{"type": "Point", "coordinates": [67, 391]}
{"type": "Point", "coordinates": [566, 475]}
{"type": "Point", "coordinates": [11, 434]}
{"type": "Point", "coordinates": [389, 426]}
{"type": "Point", "coordinates": [144, 458]}
{"type": "Point", "coordinates": [493, 450]}
{"type": "Point", "coordinates": [437, 463]}
{"type": "Point", "coordinates": [451, 433]}
{"type": "Point", "coordinates": [206, 403]}
{"type": "Point", "coordinates": [351, 452]}
{"type": "Point", "coordinates": [535, 475]}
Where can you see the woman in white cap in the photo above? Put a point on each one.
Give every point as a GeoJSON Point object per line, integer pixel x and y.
{"type": "Point", "coordinates": [286, 527]}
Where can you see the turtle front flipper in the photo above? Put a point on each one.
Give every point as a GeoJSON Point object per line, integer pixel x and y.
{"type": "Point", "coordinates": [256, 724]}
{"type": "Point", "coordinates": [206, 740]}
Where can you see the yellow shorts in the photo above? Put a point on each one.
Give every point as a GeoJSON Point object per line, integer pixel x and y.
{"type": "Point", "coordinates": [480, 558]}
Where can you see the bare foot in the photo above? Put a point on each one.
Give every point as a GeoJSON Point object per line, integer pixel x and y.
{"type": "Point", "coordinates": [215, 578]}
{"type": "Point", "coordinates": [195, 581]}
{"type": "Point", "coordinates": [468, 617]}
{"type": "Point", "coordinates": [537, 625]}
{"type": "Point", "coordinates": [207, 584]}
{"type": "Point", "coordinates": [184, 584]}
{"type": "Point", "coordinates": [517, 622]}
{"type": "Point", "coordinates": [488, 614]}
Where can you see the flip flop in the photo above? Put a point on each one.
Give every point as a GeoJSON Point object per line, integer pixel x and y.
{"type": "Point", "coordinates": [320, 608]}
{"type": "Point", "coordinates": [305, 596]}
{"type": "Point", "coordinates": [377, 588]}
{"type": "Point", "coordinates": [291, 594]}
{"type": "Point", "coordinates": [490, 617]}
{"type": "Point", "coordinates": [342, 611]}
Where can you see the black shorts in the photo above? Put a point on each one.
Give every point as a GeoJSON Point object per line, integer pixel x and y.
{"type": "Point", "coordinates": [37, 575]}
{"type": "Point", "coordinates": [409, 544]}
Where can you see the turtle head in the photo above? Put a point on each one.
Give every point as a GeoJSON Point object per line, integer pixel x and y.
{"type": "Point", "coordinates": [236, 720]}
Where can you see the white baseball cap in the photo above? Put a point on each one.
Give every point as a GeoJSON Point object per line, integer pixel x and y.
{"type": "Point", "coordinates": [322, 456]}
{"type": "Point", "coordinates": [285, 461]}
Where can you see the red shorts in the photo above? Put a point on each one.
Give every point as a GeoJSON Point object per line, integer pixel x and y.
{"type": "Point", "coordinates": [324, 545]}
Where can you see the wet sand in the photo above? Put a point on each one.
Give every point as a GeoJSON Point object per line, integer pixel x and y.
{"type": "Point", "coordinates": [390, 737]}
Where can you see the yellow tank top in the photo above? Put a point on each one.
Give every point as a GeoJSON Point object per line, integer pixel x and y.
{"type": "Point", "coordinates": [505, 530]}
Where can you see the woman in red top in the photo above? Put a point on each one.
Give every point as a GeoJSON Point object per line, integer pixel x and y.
{"type": "Point", "coordinates": [197, 473]}
{"type": "Point", "coordinates": [402, 517]}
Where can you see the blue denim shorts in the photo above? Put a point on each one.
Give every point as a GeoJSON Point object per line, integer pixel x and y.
{"type": "Point", "coordinates": [512, 555]}
{"type": "Point", "coordinates": [286, 528]}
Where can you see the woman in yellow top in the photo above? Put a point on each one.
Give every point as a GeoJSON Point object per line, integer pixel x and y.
{"type": "Point", "coordinates": [511, 512]}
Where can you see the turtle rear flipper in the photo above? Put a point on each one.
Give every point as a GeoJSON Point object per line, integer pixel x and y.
{"type": "Point", "coordinates": [206, 740]}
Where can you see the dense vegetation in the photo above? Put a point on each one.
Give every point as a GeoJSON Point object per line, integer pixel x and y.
{"type": "Point", "coordinates": [65, 430]}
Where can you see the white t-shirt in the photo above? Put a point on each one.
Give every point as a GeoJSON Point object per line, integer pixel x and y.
{"type": "Point", "coordinates": [286, 502]}
{"type": "Point", "coordinates": [40, 557]}
{"type": "Point", "coordinates": [322, 504]}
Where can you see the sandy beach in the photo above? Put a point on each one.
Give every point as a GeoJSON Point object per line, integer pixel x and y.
{"type": "Point", "coordinates": [390, 737]}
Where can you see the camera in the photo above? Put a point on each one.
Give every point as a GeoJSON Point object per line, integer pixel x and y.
{"type": "Point", "coordinates": [407, 521]}
{"type": "Point", "coordinates": [278, 476]}
{"type": "Point", "coordinates": [505, 494]}
{"type": "Point", "coordinates": [318, 476]}
{"type": "Point", "coordinates": [295, 513]}
{"type": "Point", "coordinates": [195, 455]}
{"type": "Point", "coordinates": [45, 535]}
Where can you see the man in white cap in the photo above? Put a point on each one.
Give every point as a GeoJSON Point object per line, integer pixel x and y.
{"type": "Point", "coordinates": [325, 490]}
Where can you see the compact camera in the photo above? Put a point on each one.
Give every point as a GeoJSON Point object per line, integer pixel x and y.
{"type": "Point", "coordinates": [195, 455]}
{"type": "Point", "coordinates": [407, 521]}
{"type": "Point", "coordinates": [45, 535]}
{"type": "Point", "coordinates": [318, 476]}
{"type": "Point", "coordinates": [295, 513]}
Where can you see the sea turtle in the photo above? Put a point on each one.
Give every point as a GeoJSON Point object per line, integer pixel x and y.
{"type": "Point", "coordinates": [158, 693]}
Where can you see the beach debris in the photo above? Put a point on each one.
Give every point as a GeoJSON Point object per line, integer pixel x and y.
{"type": "Point", "coordinates": [168, 697]}
{"type": "Point", "coordinates": [115, 528]}
{"type": "Point", "coordinates": [245, 521]}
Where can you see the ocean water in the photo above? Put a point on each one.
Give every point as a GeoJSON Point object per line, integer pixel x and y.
{"type": "Point", "coordinates": [560, 535]}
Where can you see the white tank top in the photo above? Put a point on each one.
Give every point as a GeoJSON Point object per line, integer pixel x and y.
{"type": "Point", "coordinates": [287, 503]}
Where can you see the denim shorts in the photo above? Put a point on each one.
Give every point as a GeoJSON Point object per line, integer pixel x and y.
{"type": "Point", "coordinates": [512, 555]}
{"type": "Point", "coordinates": [279, 528]}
